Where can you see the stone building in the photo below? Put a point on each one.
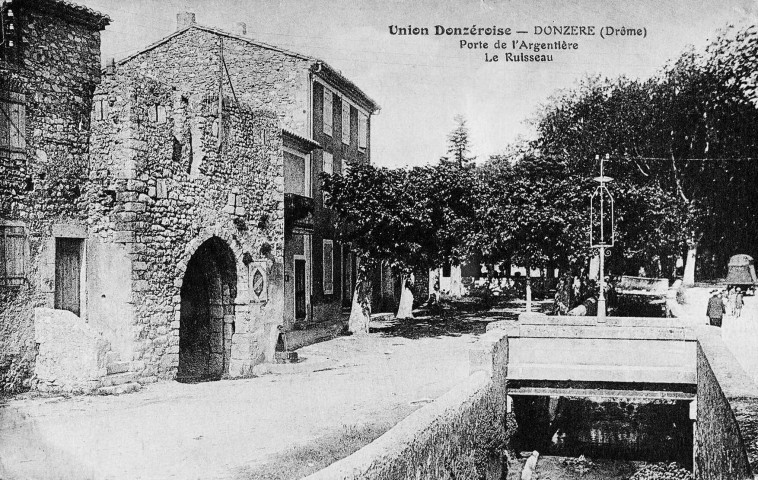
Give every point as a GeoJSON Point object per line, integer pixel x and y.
{"type": "Point", "coordinates": [164, 219]}
{"type": "Point", "coordinates": [313, 101]}
{"type": "Point", "coordinates": [49, 69]}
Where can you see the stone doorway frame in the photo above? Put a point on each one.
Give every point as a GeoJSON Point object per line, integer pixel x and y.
{"type": "Point", "coordinates": [240, 302]}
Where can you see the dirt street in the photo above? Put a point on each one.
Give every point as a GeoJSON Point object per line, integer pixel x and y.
{"type": "Point", "coordinates": [227, 429]}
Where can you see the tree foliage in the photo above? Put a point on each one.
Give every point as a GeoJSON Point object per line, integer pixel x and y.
{"type": "Point", "coordinates": [411, 219]}
{"type": "Point", "coordinates": [458, 144]}
{"type": "Point", "coordinates": [680, 139]}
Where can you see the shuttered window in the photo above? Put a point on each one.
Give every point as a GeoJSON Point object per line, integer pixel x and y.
{"type": "Point", "coordinates": [328, 112]}
{"type": "Point", "coordinates": [328, 267]}
{"type": "Point", "coordinates": [13, 123]}
{"type": "Point", "coordinates": [362, 130]}
{"type": "Point", "coordinates": [328, 168]}
{"type": "Point", "coordinates": [12, 258]}
{"type": "Point", "coordinates": [345, 122]}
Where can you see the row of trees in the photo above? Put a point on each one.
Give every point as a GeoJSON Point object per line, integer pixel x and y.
{"type": "Point", "coordinates": [683, 148]}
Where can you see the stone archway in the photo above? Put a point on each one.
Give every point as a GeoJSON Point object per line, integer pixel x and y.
{"type": "Point", "coordinates": [206, 320]}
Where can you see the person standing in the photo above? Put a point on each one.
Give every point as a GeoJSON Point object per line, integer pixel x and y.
{"type": "Point", "coordinates": [739, 301]}
{"type": "Point", "coordinates": [715, 309]}
{"type": "Point", "coordinates": [731, 295]}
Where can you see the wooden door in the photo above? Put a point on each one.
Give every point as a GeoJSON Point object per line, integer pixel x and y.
{"type": "Point", "coordinates": [300, 310]}
{"type": "Point", "coordinates": [68, 268]}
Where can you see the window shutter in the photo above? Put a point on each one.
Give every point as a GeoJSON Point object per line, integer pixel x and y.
{"type": "Point", "coordinates": [328, 163]}
{"type": "Point", "coordinates": [328, 113]}
{"type": "Point", "coordinates": [328, 168]}
{"type": "Point", "coordinates": [5, 125]}
{"type": "Point", "coordinates": [328, 267]}
{"type": "Point", "coordinates": [12, 256]}
{"type": "Point", "coordinates": [362, 130]}
{"type": "Point", "coordinates": [18, 125]}
{"type": "Point", "coordinates": [345, 122]}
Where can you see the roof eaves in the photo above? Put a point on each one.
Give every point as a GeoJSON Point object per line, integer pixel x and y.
{"type": "Point", "coordinates": [307, 142]}
{"type": "Point", "coordinates": [78, 12]}
{"type": "Point", "coordinates": [352, 86]}
{"type": "Point", "coordinates": [155, 44]}
{"type": "Point", "coordinates": [254, 42]}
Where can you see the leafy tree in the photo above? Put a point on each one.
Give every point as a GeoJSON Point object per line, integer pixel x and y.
{"type": "Point", "coordinates": [409, 219]}
{"type": "Point", "coordinates": [674, 138]}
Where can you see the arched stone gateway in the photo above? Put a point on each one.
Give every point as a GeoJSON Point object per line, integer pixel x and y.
{"type": "Point", "coordinates": [206, 318]}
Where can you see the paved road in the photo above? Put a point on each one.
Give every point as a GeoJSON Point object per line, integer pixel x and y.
{"type": "Point", "coordinates": [215, 430]}
{"type": "Point", "coordinates": [740, 334]}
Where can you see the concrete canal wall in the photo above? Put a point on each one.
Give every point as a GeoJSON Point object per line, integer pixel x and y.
{"type": "Point", "coordinates": [726, 434]}
{"type": "Point", "coordinates": [460, 435]}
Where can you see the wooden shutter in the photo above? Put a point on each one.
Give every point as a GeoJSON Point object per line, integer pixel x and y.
{"type": "Point", "coordinates": [18, 125]}
{"type": "Point", "coordinates": [5, 124]}
{"type": "Point", "coordinates": [328, 112]}
{"type": "Point", "coordinates": [345, 122]}
{"type": "Point", "coordinates": [328, 261]}
{"type": "Point", "coordinates": [12, 123]}
{"type": "Point", "coordinates": [12, 257]}
{"type": "Point", "coordinates": [362, 130]}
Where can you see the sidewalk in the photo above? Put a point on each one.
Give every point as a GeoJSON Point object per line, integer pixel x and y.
{"type": "Point", "coordinates": [229, 429]}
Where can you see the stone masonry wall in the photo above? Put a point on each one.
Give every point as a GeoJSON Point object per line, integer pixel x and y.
{"type": "Point", "coordinates": [42, 185]}
{"type": "Point", "coordinates": [179, 175]}
{"type": "Point", "coordinates": [263, 78]}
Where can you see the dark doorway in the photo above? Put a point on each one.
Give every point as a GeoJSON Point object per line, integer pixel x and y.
{"type": "Point", "coordinates": [68, 274]}
{"type": "Point", "coordinates": [300, 310]}
{"type": "Point", "coordinates": [348, 274]}
{"type": "Point", "coordinates": [207, 312]}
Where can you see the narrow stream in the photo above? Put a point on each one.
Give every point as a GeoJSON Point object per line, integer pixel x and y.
{"type": "Point", "coordinates": [608, 431]}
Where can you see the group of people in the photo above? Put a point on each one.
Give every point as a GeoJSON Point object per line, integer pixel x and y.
{"type": "Point", "coordinates": [723, 303]}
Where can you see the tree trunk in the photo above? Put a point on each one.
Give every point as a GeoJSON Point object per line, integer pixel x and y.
{"type": "Point", "coordinates": [689, 266]}
{"type": "Point", "coordinates": [434, 284]}
{"type": "Point", "coordinates": [456, 282]}
{"type": "Point", "coordinates": [360, 313]}
{"type": "Point", "coordinates": [528, 288]}
{"type": "Point", "coordinates": [405, 308]}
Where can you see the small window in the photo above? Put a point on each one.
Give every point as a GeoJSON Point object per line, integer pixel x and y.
{"type": "Point", "coordinates": [345, 122]}
{"type": "Point", "coordinates": [100, 110]}
{"type": "Point", "coordinates": [328, 112]}
{"type": "Point", "coordinates": [344, 166]}
{"type": "Point", "coordinates": [12, 255]}
{"type": "Point", "coordinates": [161, 114]}
{"type": "Point", "coordinates": [362, 130]}
{"type": "Point", "coordinates": [328, 267]}
{"type": "Point", "coordinates": [152, 113]}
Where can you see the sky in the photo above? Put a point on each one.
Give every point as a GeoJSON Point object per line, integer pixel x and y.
{"type": "Point", "coordinates": [422, 82]}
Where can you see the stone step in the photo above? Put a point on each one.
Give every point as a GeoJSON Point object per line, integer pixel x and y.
{"type": "Point", "coordinates": [118, 379]}
{"type": "Point", "coordinates": [119, 389]}
{"type": "Point", "coordinates": [117, 367]}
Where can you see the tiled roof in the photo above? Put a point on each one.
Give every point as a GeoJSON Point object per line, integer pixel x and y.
{"type": "Point", "coordinates": [79, 12]}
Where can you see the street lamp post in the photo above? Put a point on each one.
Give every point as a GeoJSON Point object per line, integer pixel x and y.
{"type": "Point", "coordinates": [601, 230]}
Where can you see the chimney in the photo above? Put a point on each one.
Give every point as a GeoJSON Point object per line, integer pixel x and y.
{"type": "Point", "coordinates": [184, 20]}
{"type": "Point", "coordinates": [241, 28]}
{"type": "Point", "coordinates": [110, 67]}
